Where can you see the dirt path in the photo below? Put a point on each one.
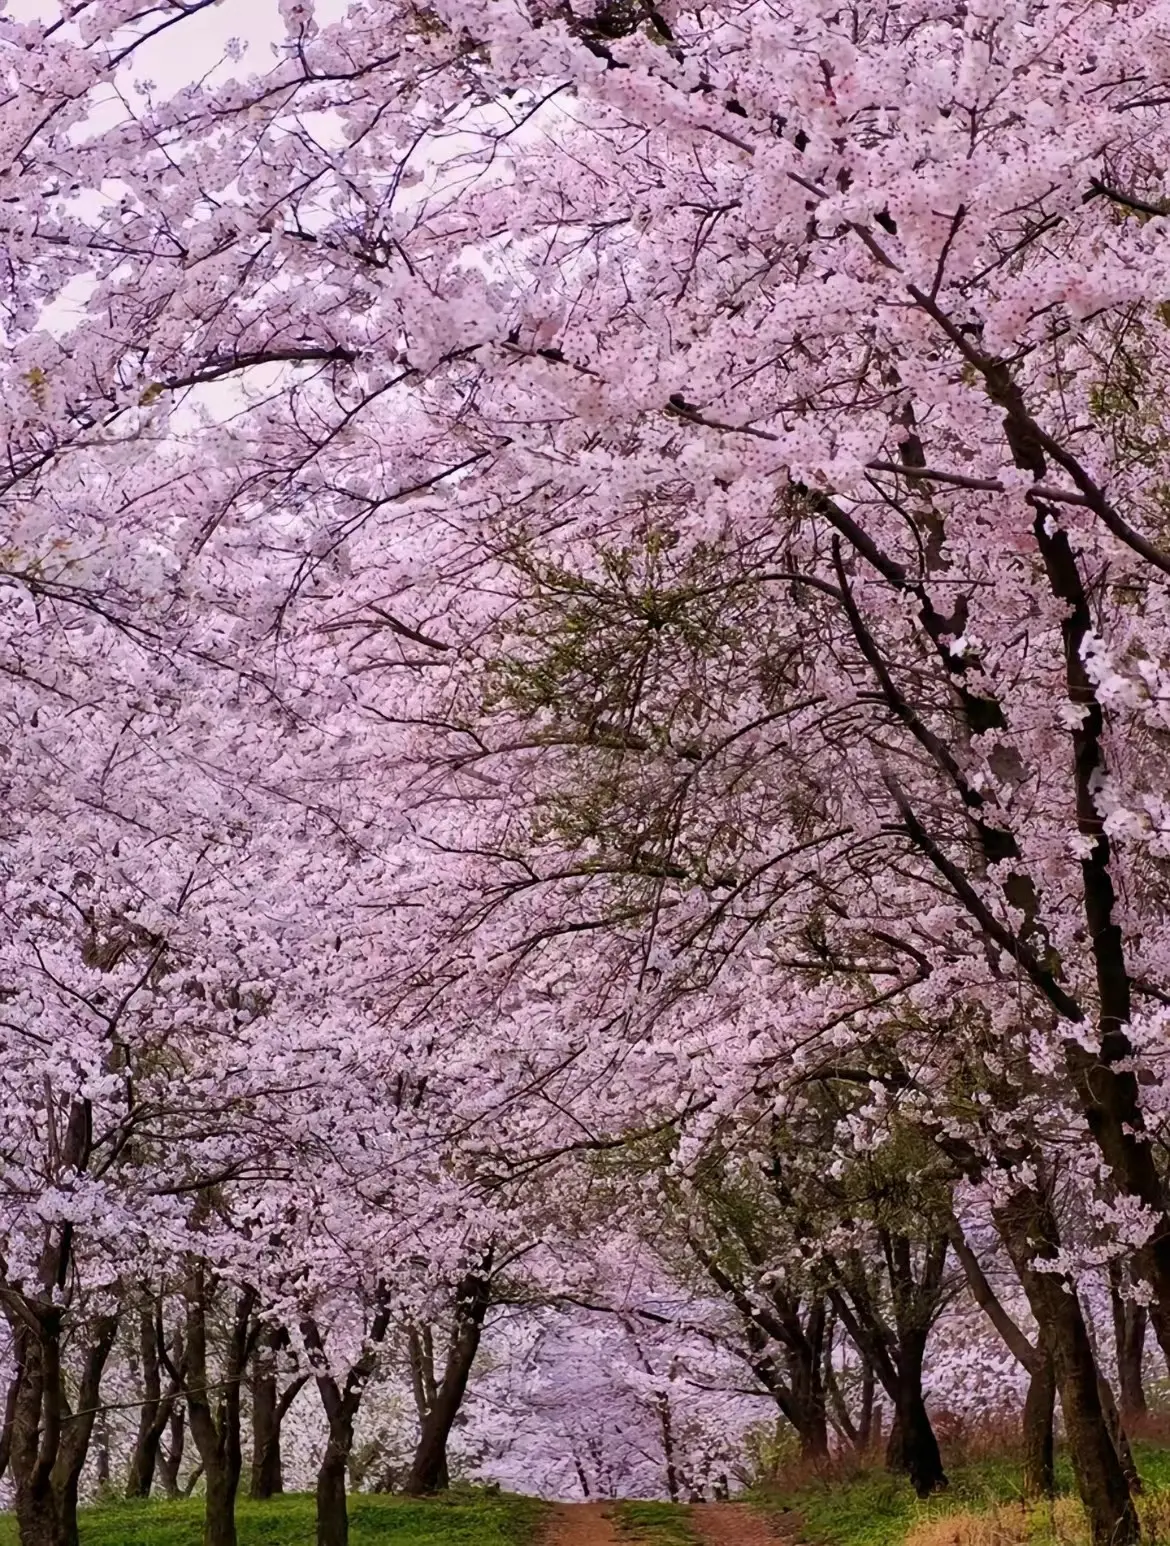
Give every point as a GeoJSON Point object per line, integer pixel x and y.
{"type": "Point", "coordinates": [716, 1524]}
{"type": "Point", "coordinates": [731, 1524]}
{"type": "Point", "coordinates": [580, 1524]}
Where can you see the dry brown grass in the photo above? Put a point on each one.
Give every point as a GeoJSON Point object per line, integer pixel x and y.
{"type": "Point", "coordinates": [964, 1440]}
{"type": "Point", "coordinates": [1057, 1523]}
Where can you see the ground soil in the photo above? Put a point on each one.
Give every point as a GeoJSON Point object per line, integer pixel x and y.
{"type": "Point", "coordinates": [731, 1524]}
{"type": "Point", "coordinates": [716, 1524]}
{"type": "Point", "coordinates": [581, 1524]}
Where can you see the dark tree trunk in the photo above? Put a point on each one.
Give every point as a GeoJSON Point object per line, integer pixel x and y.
{"type": "Point", "coordinates": [1117, 1433]}
{"type": "Point", "coordinates": [1130, 1321]}
{"type": "Point", "coordinates": [39, 1522]}
{"type": "Point", "coordinates": [812, 1434]}
{"type": "Point", "coordinates": [143, 1461]}
{"type": "Point", "coordinates": [1040, 1403]}
{"type": "Point", "coordinates": [158, 1406]}
{"type": "Point", "coordinates": [341, 1404]}
{"type": "Point", "coordinates": [842, 1418]}
{"type": "Point", "coordinates": [267, 1470]}
{"type": "Point", "coordinates": [1104, 1078]}
{"type": "Point", "coordinates": [269, 1409]}
{"type": "Point", "coordinates": [1028, 1227]}
{"type": "Point", "coordinates": [101, 1455]}
{"type": "Point", "coordinates": [428, 1470]}
{"type": "Point", "coordinates": [802, 1389]}
{"type": "Point", "coordinates": [219, 1515]}
{"type": "Point", "coordinates": [805, 1357]}
{"type": "Point", "coordinates": [49, 1440]}
{"type": "Point", "coordinates": [662, 1409]}
{"type": "Point", "coordinates": [170, 1459]}
{"type": "Point", "coordinates": [912, 1448]}
{"type": "Point", "coordinates": [666, 1423]}
{"type": "Point", "coordinates": [332, 1511]}
{"type": "Point", "coordinates": [896, 1358]}
{"type": "Point", "coordinates": [421, 1346]}
{"type": "Point", "coordinates": [216, 1431]}
{"type": "Point", "coordinates": [865, 1421]}
{"type": "Point", "coordinates": [1039, 1436]}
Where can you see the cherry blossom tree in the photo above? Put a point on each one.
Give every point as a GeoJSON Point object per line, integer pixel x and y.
{"type": "Point", "coordinates": [663, 507]}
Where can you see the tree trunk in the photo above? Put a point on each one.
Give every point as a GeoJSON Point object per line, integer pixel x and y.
{"type": "Point", "coordinates": [157, 1407]}
{"type": "Point", "coordinates": [267, 1471]}
{"type": "Point", "coordinates": [38, 1521]}
{"type": "Point", "coordinates": [1028, 1227]}
{"type": "Point", "coordinates": [101, 1457]}
{"type": "Point", "coordinates": [813, 1435]}
{"type": "Point", "coordinates": [1105, 1079]}
{"type": "Point", "coordinates": [217, 1432]}
{"type": "Point", "coordinates": [341, 1406]}
{"type": "Point", "coordinates": [1039, 1438]}
{"type": "Point", "coordinates": [1118, 1434]}
{"type": "Point", "coordinates": [143, 1461]}
{"type": "Point", "coordinates": [49, 1440]}
{"type": "Point", "coordinates": [1130, 1321]}
{"type": "Point", "coordinates": [332, 1511]}
{"type": "Point", "coordinates": [421, 1346]}
{"type": "Point", "coordinates": [842, 1418]}
{"type": "Point", "coordinates": [219, 1517]}
{"type": "Point", "coordinates": [865, 1421]}
{"type": "Point", "coordinates": [912, 1447]}
{"type": "Point", "coordinates": [896, 1357]}
{"type": "Point", "coordinates": [269, 1409]}
{"type": "Point", "coordinates": [1040, 1403]}
{"type": "Point", "coordinates": [428, 1471]}
{"type": "Point", "coordinates": [170, 1459]}
{"type": "Point", "coordinates": [806, 1379]}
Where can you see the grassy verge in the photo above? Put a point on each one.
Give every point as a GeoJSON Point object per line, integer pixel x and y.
{"type": "Point", "coordinates": [1056, 1522]}
{"type": "Point", "coordinates": [654, 1524]}
{"type": "Point", "coordinates": [872, 1508]}
{"type": "Point", "coordinates": [464, 1519]}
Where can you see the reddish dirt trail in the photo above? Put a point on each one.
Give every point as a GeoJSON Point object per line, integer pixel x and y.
{"type": "Point", "coordinates": [716, 1524]}
{"type": "Point", "coordinates": [580, 1524]}
{"type": "Point", "coordinates": [731, 1524]}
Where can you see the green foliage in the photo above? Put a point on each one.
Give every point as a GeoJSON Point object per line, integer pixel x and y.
{"type": "Point", "coordinates": [464, 1519]}
{"type": "Point", "coordinates": [654, 1524]}
{"type": "Point", "coordinates": [1154, 1464]}
{"type": "Point", "coordinates": [636, 670]}
{"type": "Point", "coordinates": [771, 1448]}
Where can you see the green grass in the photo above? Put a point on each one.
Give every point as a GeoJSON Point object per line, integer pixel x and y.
{"type": "Point", "coordinates": [1154, 1464]}
{"type": "Point", "coordinates": [464, 1519]}
{"type": "Point", "coordinates": [654, 1524]}
{"type": "Point", "coordinates": [876, 1509]}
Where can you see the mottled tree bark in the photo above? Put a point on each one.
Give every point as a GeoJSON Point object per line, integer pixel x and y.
{"type": "Point", "coordinates": [50, 1440]}
{"type": "Point", "coordinates": [213, 1411]}
{"type": "Point", "coordinates": [270, 1406]}
{"type": "Point", "coordinates": [1028, 1228]}
{"type": "Point", "coordinates": [341, 1402]}
{"type": "Point", "coordinates": [428, 1471]}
